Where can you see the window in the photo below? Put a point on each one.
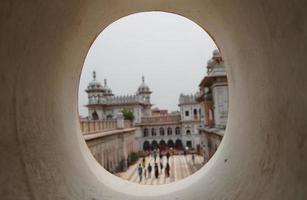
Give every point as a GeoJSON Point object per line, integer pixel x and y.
{"type": "Point", "coordinates": [169, 131]}
{"type": "Point", "coordinates": [195, 111]}
{"type": "Point", "coordinates": [145, 132]}
{"type": "Point", "coordinates": [189, 144]}
{"type": "Point", "coordinates": [188, 132]}
{"type": "Point", "coordinates": [161, 131]}
{"type": "Point", "coordinates": [95, 116]}
{"type": "Point", "coordinates": [187, 113]}
{"type": "Point", "coordinates": [177, 131]}
{"type": "Point", "coordinates": [153, 132]}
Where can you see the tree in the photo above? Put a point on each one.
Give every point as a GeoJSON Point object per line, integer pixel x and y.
{"type": "Point", "coordinates": [128, 115]}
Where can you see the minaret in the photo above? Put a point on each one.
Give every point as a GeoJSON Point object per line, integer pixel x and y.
{"type": "Point", "coordinates": [94, 75]}
{"type": "Point", "coordinates": [144, 91]}
{"type": "Point", "coordinates": [95, 92]}
{"type": "Point", "coordinates": [107, 89]}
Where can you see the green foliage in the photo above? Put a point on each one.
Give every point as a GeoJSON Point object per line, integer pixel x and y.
{"type": "Point", "coordinates": [128, 115]}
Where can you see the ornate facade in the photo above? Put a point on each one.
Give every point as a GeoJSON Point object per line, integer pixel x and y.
{"type": "Point", "coordinates": [192, 115]}
{"type": "Point", "coordinates": [213, 97]}
{"type": "Point", "coordinates": [177, 130]}
{"type": "Point", "coordinates": [102, 104]}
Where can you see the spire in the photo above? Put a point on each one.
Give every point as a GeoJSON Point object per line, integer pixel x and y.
{"type": "Point", "coordinates": [143, 79]}
{"type": "Point", "coordinates": [94, 75]}
{"type": "Point", "coordinates": [105, 82]}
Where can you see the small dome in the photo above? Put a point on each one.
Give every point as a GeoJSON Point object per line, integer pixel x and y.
{"type": "Point", "coordinates": [210, 63]}
{"type": "Point", "coordinates": [94, 84]}
{"type": "Point", "coordinates": [216, 53]}
{"type": "Point", "coordinates": [108, 90]}
{"type": "Point", "coordinates": [143, 87]}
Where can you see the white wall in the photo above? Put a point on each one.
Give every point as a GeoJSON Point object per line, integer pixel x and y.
{"type": "Point", "coordinates": [43, 155]}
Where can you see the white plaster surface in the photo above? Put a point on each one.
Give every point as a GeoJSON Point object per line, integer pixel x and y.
{"type": "Point", "coordinates": [263, 153]}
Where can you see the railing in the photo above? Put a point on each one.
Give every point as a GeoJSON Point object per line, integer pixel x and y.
{"type": "Point", "coordinates": [161, 119]}
{"type": "Point", "coordinates": [128, 124]}
{"type": "Point", "coordinates": [89, 126]}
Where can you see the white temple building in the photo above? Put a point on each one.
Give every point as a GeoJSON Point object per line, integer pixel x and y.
{"type": "Point", "coordinates": [103, 104]}
{"type": "Point", "coordinates": [206, 110]}
{"type": "Point", "coordinates": [192, 115]}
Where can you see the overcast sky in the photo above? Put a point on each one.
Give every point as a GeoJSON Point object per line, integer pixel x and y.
{"type": "Point", "coordinates": [169, 50]}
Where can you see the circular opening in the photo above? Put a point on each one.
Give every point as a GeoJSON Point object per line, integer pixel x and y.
{"type": "Point", "coordinates": [126, 134]}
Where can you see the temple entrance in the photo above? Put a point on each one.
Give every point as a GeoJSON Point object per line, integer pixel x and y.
{"type": "Point", "coordinates": [154, 144]}
{"type": "Point", "coordinates": [162, 145]}
{"type": "Point", "coordinates": [146, 146]}
{"type": "Point", "coordinates": [170, 143]}
{"type": "Point", "coordinates": [178, 144]}
{"type": "Point", "coordinates": [189, 144]}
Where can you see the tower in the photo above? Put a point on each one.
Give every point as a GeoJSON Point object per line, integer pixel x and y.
{"type": "Point", "coordinates": [144, 91]}
{"type": "Point", "coordinates": [95, 92]}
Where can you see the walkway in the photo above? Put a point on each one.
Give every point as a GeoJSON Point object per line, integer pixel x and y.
{"type": "Point", "coordinates": [181, 166]}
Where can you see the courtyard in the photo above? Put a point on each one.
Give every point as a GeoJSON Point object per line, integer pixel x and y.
{"type": "Point", "coordinates": [181, 166]}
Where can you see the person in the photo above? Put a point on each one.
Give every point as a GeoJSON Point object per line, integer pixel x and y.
{"type": "Point", "coordinates": [155, 155]}
{"type": "Point", "coordinates": [184, 152]}
{"type": "Point", "coordinates": [193, 158]}
{"type": "Point", "coordinates": [156, 170]}
{"type": "Point", "coordinates": [167, 170]}
{"type": "Point", "coordinates": [168, 155]}
{"type": "Point", "coordinates": [143, 162]}
{"type": "Point", "coordinates": [161, 165]}
{"type": "Point", "coordinates": [160, 155]}
{"type": "Point", "coordinates": [140, 170]}
{"type": "Point", "coordinates": [145, 173]}
{"type": "Point", "coordinates": [149, 169]}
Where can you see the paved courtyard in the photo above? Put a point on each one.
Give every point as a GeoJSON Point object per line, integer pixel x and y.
{"type": "Point", "coordinates": [180, 167]}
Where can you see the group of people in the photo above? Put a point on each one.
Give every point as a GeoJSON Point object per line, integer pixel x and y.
{"type": "Point", "coordinates": [142, 169]}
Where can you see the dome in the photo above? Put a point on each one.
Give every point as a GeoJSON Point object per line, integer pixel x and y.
{"type": "Point", "coordinates": [143, 87]}
{"type": "Point", "coordinates": [210, 63]}
{"type": "Point", "coordinates": [216, 54]}
{"type": "Point", "coordinates": [108, 90]}
{"type": "Point", "coordinates": [94, 84]}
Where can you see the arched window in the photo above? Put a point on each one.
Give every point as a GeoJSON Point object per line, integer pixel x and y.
{"type": "Point", "coordinates": [177, 131]}
{"type": "Point", "coordinates": [188, 132]}
{"type": "Point", "coordinates": [145, 132]}
{"type": "Point", "coordinates": [169, 131]}
{"type": "Point", "coordinates": [109, 116]}
{"type": "Point", "coordinates": [161, 131]}
{"type": "Point", "coordinates": [153, 132]}
{"type": "Point", "coordinates": [95, 115]}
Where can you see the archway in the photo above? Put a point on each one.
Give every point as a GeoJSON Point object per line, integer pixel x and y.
{"type": "Point", "coordinates": [154, 144]}
{"type": "Point", "coordinates": [258, 42]}
{"type": "Point", "coordinates": [178, 144]}
{"type": "Point", "coordinates": [170, 144]}
{"type": "Point", "coordinates": [146, 146]}
{"type": "Point", "coordinates": [162, 145]}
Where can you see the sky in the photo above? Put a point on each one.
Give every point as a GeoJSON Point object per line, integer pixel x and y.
{"type": "Point", "coordinates": [169, 50]}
